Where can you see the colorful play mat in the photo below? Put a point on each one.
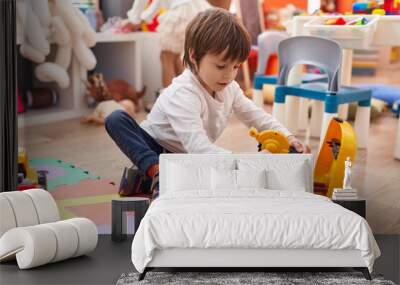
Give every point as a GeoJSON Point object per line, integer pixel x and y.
{"type": "Point", "coordinates": [78, 193]}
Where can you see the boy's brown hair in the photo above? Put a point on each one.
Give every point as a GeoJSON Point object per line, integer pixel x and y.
{"type": "Point", "coordinates": [214, 31]}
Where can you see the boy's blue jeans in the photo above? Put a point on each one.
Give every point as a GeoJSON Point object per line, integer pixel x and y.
{"type": "Point", "coordinates": [134, 142]}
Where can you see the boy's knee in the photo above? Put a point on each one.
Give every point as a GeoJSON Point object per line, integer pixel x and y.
{"type": "Point", "coordinates": [114, 119]}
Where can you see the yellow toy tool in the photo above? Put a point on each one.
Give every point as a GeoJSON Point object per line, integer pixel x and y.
{"type": "Point", "coordinates": [23, 163]}
{"type": "Point", "coordinates": [339, 143]}
{"type": "Point", "coordinates": [273, 141]}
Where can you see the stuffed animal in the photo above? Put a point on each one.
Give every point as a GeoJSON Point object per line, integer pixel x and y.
{"type": "Point", "coordinates": [55, 21]}
{"type": "Point", "coordinates": [105, 108]}
{"type": "Point", "coordinates": [117, 90]}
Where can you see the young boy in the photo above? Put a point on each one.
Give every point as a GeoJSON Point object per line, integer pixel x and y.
{"type": "Point", "coordinates": [193, 111]}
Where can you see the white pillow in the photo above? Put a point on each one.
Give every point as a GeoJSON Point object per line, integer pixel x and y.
{"type": "Point", "coordinates": [284, 172]}
{"type": "Point", "coordinates": [225, 179]}
{"type": "Point", "coordinates": [182, 177]}
{"type": "Point", "coordinates": [251, 179]}
{"type": "Point", "coordinates": [292, 179]}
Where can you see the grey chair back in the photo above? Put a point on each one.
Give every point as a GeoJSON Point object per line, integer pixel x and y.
{"type": "Point", "coordinates": [309, 50]}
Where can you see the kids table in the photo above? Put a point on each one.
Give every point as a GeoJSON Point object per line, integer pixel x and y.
{"type": "Point", "coordinates": [380, 31]}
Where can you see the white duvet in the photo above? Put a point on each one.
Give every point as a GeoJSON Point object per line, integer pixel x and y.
{"type": "Point", "coordinates": [250, 219]}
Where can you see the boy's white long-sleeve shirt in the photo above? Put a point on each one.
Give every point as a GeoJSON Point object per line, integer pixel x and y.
{"type": "Point", "coordinates": [187, 119]}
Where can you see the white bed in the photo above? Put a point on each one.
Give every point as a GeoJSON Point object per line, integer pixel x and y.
{"type": "Point", "coordinates": [247, 210]}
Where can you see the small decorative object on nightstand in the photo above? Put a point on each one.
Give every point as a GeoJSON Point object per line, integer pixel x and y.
{"type": "Point", "coordinates": [347, 192]}
{"type": "Point", "coordinates": [121, 205]}
{"type": "Point", "coordinates": [358, 206]}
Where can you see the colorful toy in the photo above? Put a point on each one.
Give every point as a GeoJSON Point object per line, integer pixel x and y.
{"type": "Point", "coordinates": [100, 90]}
{"type": "Point", "coordinates": [339, 143]}
{"type": "Point", "coordinates": [341, 22]}
{"type": "Point", "coordinates": [358, 22]}
{"type": "Point", "coordinates": [365, 7]}
{"type": "Point", "coordinates": [29, 177]}
{"type": "Point", "coordinates": [392, 7]}
{"type": "Point", "coordinates": [152, 26]}
{"type": "Point", "coordinates": [272, 141]}
{"type": "Point", "coordinates": [335, 21]}
{"type": "Point", "coordinates": [113, 95]}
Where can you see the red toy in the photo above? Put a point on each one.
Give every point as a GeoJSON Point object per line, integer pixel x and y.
{"type": "Point", "coordinates": [21, 107]}
{"type": "Point", "coordinates": [392, 7]}
{"type": "Point", "coordinates": [335, 21]}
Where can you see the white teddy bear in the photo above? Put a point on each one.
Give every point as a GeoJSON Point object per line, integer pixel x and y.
{"type": "Point", "coordinates": [55, 21]}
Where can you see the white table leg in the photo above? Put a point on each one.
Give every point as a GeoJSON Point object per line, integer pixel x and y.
{"type": "Point", "coordinates": [347, 65]}
{"type": "Point", "coordinates": [361, 125]}
{"type": "Point", "coordinates": [278, 112]}
{"type": "Point", "coordinates": [292, 103]}
{"type": "Point", "coordinates": [303, 114]}
{"type": "Point", "coordinates": [258, 97]}
{"type": "Point", "coordinates": [397, 143]}
{"type": "Point", "coordinates": [316, 119]}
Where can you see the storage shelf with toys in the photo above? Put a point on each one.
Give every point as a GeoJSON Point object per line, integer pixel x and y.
{"type": "Point", "coordinates": [69, 104]}
{"type": "Point", "coordinates": [56, 38]}
{"type": "Point", "coordinates": [137, 57]}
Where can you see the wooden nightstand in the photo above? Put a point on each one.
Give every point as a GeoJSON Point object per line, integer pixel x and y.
{"type": "Point", "coordinates": [358, 206]}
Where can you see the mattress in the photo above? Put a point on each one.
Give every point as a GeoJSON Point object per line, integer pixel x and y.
{"type": "Point", "coordinates": [250, 219]}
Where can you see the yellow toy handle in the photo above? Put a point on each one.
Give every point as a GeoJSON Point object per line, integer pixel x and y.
{"type": "Point", "coordinates": [271, 140]}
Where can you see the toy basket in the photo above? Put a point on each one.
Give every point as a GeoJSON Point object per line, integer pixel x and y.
{"type": "Point", "coordinates": [348, 36]}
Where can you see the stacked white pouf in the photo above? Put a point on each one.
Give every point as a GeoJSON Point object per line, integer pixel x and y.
{"type": "Point", "coordinates": [32, 233]}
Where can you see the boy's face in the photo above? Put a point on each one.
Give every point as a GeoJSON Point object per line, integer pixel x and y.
{"type": "Point", "coordinates": [215, 73]}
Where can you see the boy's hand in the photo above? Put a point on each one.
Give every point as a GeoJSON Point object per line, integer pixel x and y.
{"type": "Point", "coordinates": [298, 145]}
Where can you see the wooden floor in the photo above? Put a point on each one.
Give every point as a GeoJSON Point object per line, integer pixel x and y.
{"type": "Point", "coordinates": [376, 172]}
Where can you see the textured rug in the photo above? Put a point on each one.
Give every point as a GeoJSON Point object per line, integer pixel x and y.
{"type": "Point", "coordinates": [243, 278]}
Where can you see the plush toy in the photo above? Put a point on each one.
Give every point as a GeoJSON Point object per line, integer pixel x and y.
{"type": "Point", "coordinates": [105, 108]}
{"type": "Point", "coordinates": [55, 21]}
{"type": "Point", "coordinates": [99, 90]}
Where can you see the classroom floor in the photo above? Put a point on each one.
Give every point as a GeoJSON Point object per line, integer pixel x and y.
{"type": "Point", "coordinates": [376, 172]}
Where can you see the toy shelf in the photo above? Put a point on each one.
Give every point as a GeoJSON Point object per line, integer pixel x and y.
{"type": "Point", "coordinates": [133, 57]}
{"type": "Point", "coordinates": [70, 105]}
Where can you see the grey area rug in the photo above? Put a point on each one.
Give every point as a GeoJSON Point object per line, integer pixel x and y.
{"type": "Point", "coordinates": [243, 278]}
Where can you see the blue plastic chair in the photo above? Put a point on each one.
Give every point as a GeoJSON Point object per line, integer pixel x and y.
{"type": "Point", "coordinates": [327, 55]}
